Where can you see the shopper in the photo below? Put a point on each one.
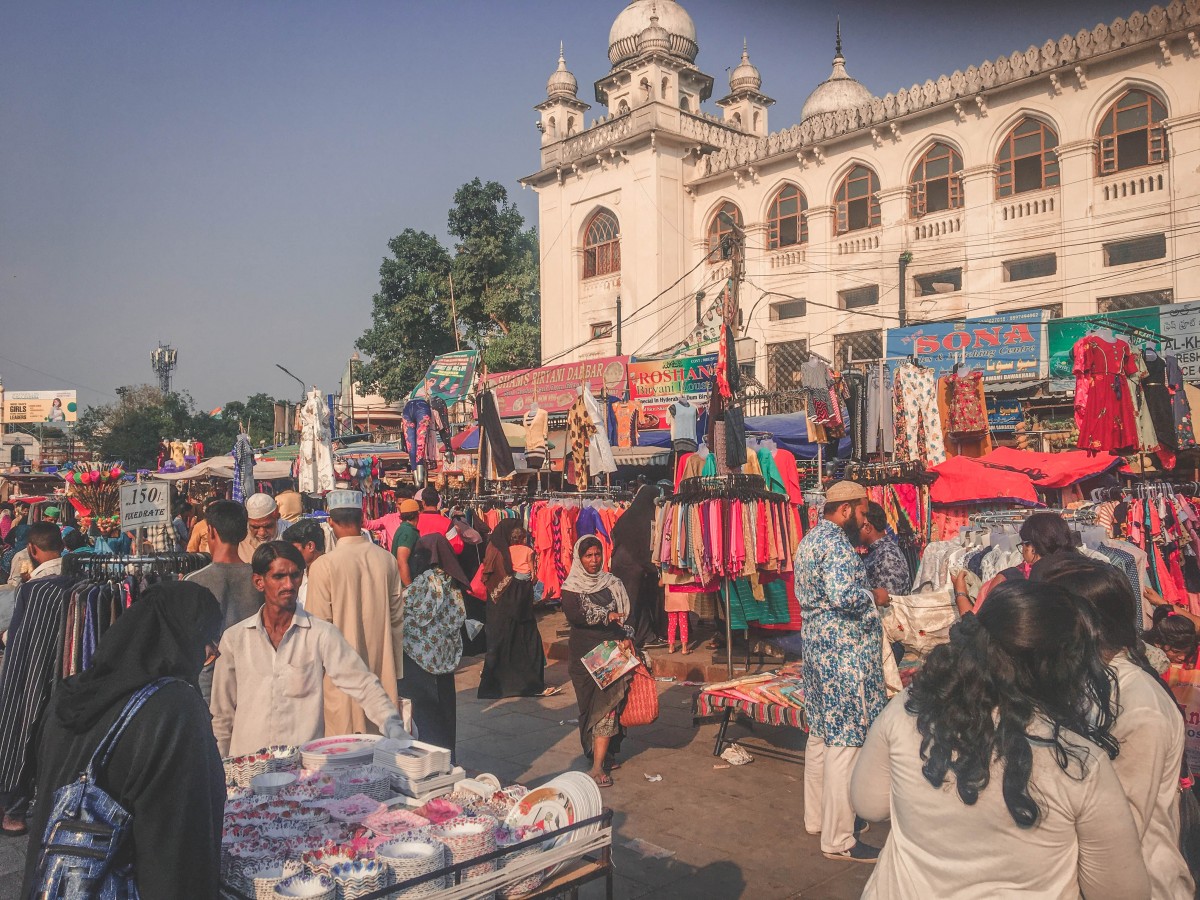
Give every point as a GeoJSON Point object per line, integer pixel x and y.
{"type": "Point", "coordinates": [515, 664]}
{"type": "Point", "coordinates": [265, 524]}
{"type": "Point", "coordinates": [432, 521]}
{"type": "Point", "coordinates": [994, 765]}
{"type": "Point", "coordinates": [1175, 634]}
{"type": "Point", "coordinates": [1148, 727]}
{"type": "Point", "coordinates": [842, 665]}
{"type": "Point", "coordinates": [886, 566]}
{"type": "Point", "coordinates": [356, 586]}
{"type": "Point", "coordinates": [632, 563]}
{"type": "Point", "coordinates": [405, 538]}
{"type": "Point", "coordinates": [30, 670]}
{"type": "Point", "coordinates": [433, 618]}
{"type": "Point", "coordinates": [1043, 534]}
{"type": "Point", "coordinates": [308, 537]}
{"type": "Point", "coordinates": [165, 770]}
{"type": "Point", "coordinates": [597, 609]}
{"type": "Point", "coordinates": [230, 580]}
{"type": "Point", "coordinates": [268, 683]}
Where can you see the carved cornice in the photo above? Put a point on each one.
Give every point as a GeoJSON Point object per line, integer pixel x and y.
{"type": "Point", "coordinates": [966, 89]}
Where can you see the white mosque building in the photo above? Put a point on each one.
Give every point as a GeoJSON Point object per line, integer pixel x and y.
{"type": "Point", "coordinates": [1065, 176]}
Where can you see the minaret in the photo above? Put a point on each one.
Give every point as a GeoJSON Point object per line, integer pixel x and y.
{"type": "Point", "coordinates": [746, 106]}
{"type": "Point", "coordinates": [562, 110]}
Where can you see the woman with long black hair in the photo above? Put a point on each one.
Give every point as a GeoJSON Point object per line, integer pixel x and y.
{"type": "Point", "coordinates": [632, 563]}
{"type": "Point", "coordinates": [515, 664]}
{"type": "Point", "coordinates": [994, 765]}
{"type": "Point", "coordinates": [1148, 727]}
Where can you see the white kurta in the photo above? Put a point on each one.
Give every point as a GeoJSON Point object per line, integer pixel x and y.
{"type": "Point", "coordinates": [600, 455]}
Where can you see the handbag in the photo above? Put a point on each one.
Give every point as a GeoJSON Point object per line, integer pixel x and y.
{"type": "Point", "coordinates": [83, 854]}
{"type": "Point", "coordinates": [641, 701]}
{"type": "Point", "coordinates": [1189, 822]}
{"type": "Point", "coordinates": [478, 589]}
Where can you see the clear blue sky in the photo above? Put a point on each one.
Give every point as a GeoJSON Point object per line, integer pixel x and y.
{"type": "Point", "coordinates": [225, 175]}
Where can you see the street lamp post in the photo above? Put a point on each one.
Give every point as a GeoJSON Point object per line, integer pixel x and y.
{"type": "Point", "coordinates": [354, 357]}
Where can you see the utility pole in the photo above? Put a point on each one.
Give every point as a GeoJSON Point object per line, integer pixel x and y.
{"type": "Point", "coordinates": [618, 324]}
{"type": "Point", "coordinates": [905, 259]}
{"type": "Point", "coordinates": [454, 314]}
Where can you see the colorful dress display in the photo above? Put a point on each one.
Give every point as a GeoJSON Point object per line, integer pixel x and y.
{"type": "Point", "coordinates": [1106, 416]}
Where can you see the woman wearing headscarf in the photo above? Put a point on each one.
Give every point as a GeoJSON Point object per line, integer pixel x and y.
{"type": "Point", "coordinates": [433, 618]}
{"type": "Point", "coordinates": [597, 608]}
{"type": "Point", "coordinates": [515, 664]}
{"type": "Point", "coordinates": [632, 563]}
{"type": "Point", "coordinates": [165, 770]}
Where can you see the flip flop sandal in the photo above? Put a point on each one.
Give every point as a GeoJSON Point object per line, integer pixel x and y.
{"type": "Point", "coordinates": [15, 832]}
{"type": "Point", "coordinates": [612, 764]}
{"type": "Point", "coordinates": [602, 781]}
{"type": "Point", "coordinates": [551, 691]}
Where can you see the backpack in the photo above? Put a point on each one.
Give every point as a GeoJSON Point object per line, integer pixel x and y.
{"type": "Point", "coordinates": [81, 850]}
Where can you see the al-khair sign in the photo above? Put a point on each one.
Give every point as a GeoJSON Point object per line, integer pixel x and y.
{"type": "Point", "coordinates": [1003, 347]}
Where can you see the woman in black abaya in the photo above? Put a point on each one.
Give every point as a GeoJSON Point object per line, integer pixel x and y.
{"type": "Point", "coordinates": [515, 663]}
{"type": "Point", "coordinates": [631, 562]}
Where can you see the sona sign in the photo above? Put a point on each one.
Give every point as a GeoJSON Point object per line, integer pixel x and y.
{"type": "Point", "coordinates": [1006, 346]}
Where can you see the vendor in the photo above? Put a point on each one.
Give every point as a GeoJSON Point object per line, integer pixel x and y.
{"type": "Point", "coordinates": [265, 524]}
{"type": "Point", "coordinates": [268, 686]}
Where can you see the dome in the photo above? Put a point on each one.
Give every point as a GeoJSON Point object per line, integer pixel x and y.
{"type": "Point", "coordinates": [745, 77]}
{"type": "Point", "coordinates": [562, 83]}
{"type": "Point", "coordinates": [623, 38]}
{"type": "Point", "coordinates": [838, 91]}
{"type": "Point", "coordinates": [654, 38]}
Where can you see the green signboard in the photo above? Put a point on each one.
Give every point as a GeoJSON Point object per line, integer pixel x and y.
{"type": "Point", "coordinates": [1065, 333]}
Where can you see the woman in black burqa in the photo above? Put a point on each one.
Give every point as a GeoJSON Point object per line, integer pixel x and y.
{"type": "Point", "coordinates": [515, 664]}
{"type": "Point", "coordinates": [632, 563]}
{"type": "Point", "coordinates": [165, 770]}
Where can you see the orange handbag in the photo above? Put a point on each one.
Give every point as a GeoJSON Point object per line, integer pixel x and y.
{"type": "Point", "coordinates": [641, 703]}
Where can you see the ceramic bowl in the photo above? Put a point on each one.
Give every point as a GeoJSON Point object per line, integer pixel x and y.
{"type": "Point", "coordinates": [308, 887]}
{"type": "Point", "coordinates": [272, 782]}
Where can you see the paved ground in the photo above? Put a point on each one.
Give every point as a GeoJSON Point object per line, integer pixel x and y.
{"type": "Point", "coordinates": [735, 832]}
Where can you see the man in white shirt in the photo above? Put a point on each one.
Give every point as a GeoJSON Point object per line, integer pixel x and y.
{"type": "Point", "coordinates": [268, 682]}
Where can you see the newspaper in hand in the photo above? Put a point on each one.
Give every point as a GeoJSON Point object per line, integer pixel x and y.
{"type": "Point", "coordinates": [608, 661]}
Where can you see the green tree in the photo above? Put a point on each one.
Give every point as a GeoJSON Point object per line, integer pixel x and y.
{"type": "Point", "coordinates": [410, 319]}
{"type": "Point", "coordinates": [258, 412]}
{"type": "Point", "coordinates": [496, 276]}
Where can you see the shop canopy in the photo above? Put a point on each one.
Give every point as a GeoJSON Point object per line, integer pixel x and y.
{"type": "Point", "coordinates": [962, 481]}
{"type": "Point", "coordinates": [1052, 470]}
{"type": "Point", "coordinates": [468, 441]}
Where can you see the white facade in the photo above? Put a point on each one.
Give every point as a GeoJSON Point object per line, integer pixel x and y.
{"type": "Point", "coordinates": [1060, 237]}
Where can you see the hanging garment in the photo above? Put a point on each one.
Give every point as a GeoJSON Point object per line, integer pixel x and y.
{"type": "Point", "coordinates": [967, 416]}
{"type": "Point", "coordinates": [316, 450]}
{"type": "Point", "coordinates": [1157, 399]}
{"type": "Point", "coordinates": [880, 425]}
{"type": "Point", "coordinates": [683, 426]}
{"type": "Point", "coordinates": [1107, 421]}
{"type": "Point", "coordinates": [969, 445]}
{"type": "Point", "coordinates": [600, 457]}
{"type": "Point", "coordinates": [735, 437]}
{"type": "Point", "coordinates": [856, 384]}
{"type": "Point", "coordinates": [416, 416]}
{"type": "Point", "coordinates": [916, 399]}
{"type": "Point", "coordinates": [499, 454]}
{"type": "Point", "coordinates": [1147, 439]}
{"type": "Point", "coordinates": [627, 413]}
{"type": "Point", "coordinates": [441, 421]}
{"type": "Point", "coordinates": [580, 432]}
{"type": "Point", "coordinates": [816, 379]}
{"type": "Point", "coordinates": [243, 468]}
{"type": "Point", "coordinates": [1181, 409]}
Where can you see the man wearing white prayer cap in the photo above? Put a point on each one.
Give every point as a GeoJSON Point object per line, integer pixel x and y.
{"type": "Point", "coordinates": [265, 524]}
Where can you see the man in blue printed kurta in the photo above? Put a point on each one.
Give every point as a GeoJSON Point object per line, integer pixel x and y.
{"type": "Point", "coordinates": [843, 671]}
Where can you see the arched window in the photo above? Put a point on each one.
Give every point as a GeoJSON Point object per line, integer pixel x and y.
{"type": "Point", "coordinates": [1027, 160]}
{"type": "Point", "coordinates": [16, 454]}
{"type": "Point", "coordinates": [1131, 134]}
{"type": "Point", "coordinates": [787, 219]}
{"type": "Point", "coordinates": [720, 228]}
{"type": "Point", "coordinates": [935, 184]}
{"type": "Point", "coordinates": [602, 245]}
{"type": "Point", "coordinates": [857, 203]}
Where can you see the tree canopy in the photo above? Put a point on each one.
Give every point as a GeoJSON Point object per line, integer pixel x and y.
{"type": "Point", "coordinates": [494, 269]}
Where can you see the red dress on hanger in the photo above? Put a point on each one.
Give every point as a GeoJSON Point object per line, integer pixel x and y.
{"type": "Point", "coordinates": [1108, 421]}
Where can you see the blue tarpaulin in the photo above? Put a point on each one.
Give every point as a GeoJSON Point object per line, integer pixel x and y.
{"type": "Point", "coordinates": [789, 430]}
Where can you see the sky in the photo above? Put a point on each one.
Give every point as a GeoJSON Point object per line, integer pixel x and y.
{"type": "Point", "coordinates": [225, 176]}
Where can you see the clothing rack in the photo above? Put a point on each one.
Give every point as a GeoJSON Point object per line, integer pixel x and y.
{"type": "Point", "coordinates": [105, 565]}
{"type": "Point", "coordinates": [712, 487]}
{"type": "Point", "coordinates": [1082, 516]}
{"type": "Point", "coordinates": [898, 472]}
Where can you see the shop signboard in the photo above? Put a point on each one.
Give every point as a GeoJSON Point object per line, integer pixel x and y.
{"type": "Point", "coordinates": [450, 376]}
{"type": "Point", "coordinates": [1002, 347]}
{"type": "Point", "coordinates": [658, 383]}
{"type": "Point", "coordinates": [145, 504]}
{"type": "Point", "coordinates": [556, 387]}
{"type": "Point", "coordinates": [1004, 414]}
{"type": "Point", "coordinates": [1181, 323]}
{"type": "Point", "coordinates": [1065, 333]}
{"type": "Point", "coordinates": [40, 407]}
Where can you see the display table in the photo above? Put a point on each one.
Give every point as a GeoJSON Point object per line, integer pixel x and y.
{"type": "Point", "coordinates": [773, 698]}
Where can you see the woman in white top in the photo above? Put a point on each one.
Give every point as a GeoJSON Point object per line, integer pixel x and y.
{"type": "Point", "coordinates": [994, 766]}
{"type": "Point", "coordinates": [1149, 727]}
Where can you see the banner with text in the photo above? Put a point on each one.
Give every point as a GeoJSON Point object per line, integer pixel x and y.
{"type": "Point", "coordinates": [1181, 323]}
{"type": "Point", "coordinates": [556, 387]}
{"type": "Point", "coordinates": [658, 383]}
{"type": "Point", "coordinates": [1003, 347]}
{"type": "Point", "coordinates": [46, 407]}
{"type": "Point", "coordinates": [145, 504]}
{"type": "Point", "coordinates": [450, 376]}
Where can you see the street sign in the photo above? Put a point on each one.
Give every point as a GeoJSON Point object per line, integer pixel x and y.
{"type": "Point", "coordinates": [145, 504]}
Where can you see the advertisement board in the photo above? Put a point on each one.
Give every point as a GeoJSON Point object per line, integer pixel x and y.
{"type": "Point", "coordinates": [1004, 414]}
{"type": "Point", "coordinates": [47, 407]}
{"type": "Point", "coordinates": [1181, 323]}
{"type": "Point", "coordinates": [658, 383]}
{"type": "Point", "coordinates": [1003, 347]}
{"type": "Point", "coordinates": [450, 376]}
{"type": "Point", "coordinates": [1065, 333]}
{"type": "Point", "coordinates": [556, 387]}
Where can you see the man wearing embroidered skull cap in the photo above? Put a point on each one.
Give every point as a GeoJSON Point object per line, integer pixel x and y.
{"type": "Point", "coordinates": [265, 524]}
{"type": "Point", "coordinates": [843, 671]}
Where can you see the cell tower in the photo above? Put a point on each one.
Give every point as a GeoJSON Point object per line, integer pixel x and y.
{"type": "Point", "coordinates": [163, 360]}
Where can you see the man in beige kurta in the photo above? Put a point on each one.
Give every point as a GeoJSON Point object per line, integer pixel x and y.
{"type": "Point", "coordinates": [356, 586]}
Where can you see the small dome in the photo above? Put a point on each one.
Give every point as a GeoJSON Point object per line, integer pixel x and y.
{"type": "Point", "coordinates": [562, 84]}
{"type": "Point", "coordinates": [745, 77]}
{"type": "Point", "coordinates": [654, 38]}
{"type": "Point", "coordinates": [624, 36]}
{"type": "Point", "coordinates": [837, 92]}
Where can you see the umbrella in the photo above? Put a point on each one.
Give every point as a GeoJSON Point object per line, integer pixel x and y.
{"type": "Point", "coordinates": [469, 440]}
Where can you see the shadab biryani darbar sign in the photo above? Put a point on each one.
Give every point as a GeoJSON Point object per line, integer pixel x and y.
{"type": "Point", "coordinates": [1003, 347]}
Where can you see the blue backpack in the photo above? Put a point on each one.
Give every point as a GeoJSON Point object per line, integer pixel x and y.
{"type": "Point", "coordinates": [87, 829]}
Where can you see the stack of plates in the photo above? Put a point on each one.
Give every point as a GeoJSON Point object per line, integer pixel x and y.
{"type": "Point", "coordinates": [310, 887]}
{"type": "Point", "coordinates": [283, 757]}
{"type": "Point", "coordinates": [562, 801]}
{"type": "Point", "coordinates": [414, 761]}
{"type": "Point", "coordinates": [373, 781]}
{"type": "Point", "coordinates": [394, 822]}
{"type": "Point", "coordinates": [412, 857]}
{"type": "Point", "coordinates": [359, 878]}
{"type": "Point", "coordinates": [424, 788]}
{"type": "Point", "coordinates": [465, 839]}
{"type": "Point", "coordinates": [240, 769]}
{"type": "Point", "coordinates": [265, 877]}
{"type": "Point", "coordinates": [338, 752]}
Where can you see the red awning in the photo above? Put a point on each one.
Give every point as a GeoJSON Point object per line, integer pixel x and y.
{"type": "Point", "coordinates": [962, 480]}
{"type": "Point", "coordinates": [1053, 470]}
